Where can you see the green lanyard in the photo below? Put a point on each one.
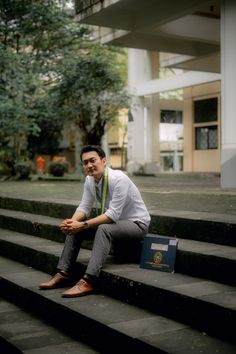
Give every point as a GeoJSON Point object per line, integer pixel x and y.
{"type": "Point", "coordinates": [104, 191]}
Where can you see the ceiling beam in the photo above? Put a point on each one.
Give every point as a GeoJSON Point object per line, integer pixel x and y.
{"type": "Point", "coordinates": [187, 79]}
{"type": "Point", "coordinates": [160, 43]}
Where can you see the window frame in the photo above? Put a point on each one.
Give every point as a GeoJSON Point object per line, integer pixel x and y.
{"type": "Point", "coordinates": [206, 124]}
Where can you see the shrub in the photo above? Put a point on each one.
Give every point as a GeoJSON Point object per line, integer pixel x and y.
{"type": "Point", "coordinates": [57, 168]}
{"type": "Point", "coordinates": [23, 169]}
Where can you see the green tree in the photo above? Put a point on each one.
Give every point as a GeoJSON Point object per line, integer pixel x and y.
{"type": "Point", "coordinates": [47, 140]}
{"type": "Point", "coordinates": [18, 88]}
{"type": "Point", "coordinates": [51, 71]}
{"type": "Point", "coordinates": [91, 91]}
{"type": "Point", "coordinates": [33, 36]}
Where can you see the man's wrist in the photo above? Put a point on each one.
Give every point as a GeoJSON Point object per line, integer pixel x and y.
{"type": "Point", "coordinates": [85, 225]}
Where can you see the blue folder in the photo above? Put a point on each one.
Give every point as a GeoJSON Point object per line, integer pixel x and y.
{"type": "Point", "coordinates": [159, 253]}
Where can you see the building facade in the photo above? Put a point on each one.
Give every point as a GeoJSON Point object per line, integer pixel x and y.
{"type": "Point", "coordinates": [196, 37]}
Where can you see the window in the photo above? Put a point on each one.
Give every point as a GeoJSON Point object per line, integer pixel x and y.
{"type": "Point", "coordinates": [205, 110]}
{"type": "Point", "coordinates": [206, 123]}
{"type": "Point", "coordinates": [206, 137]}
{"type": "Point", "coordinates": [170, 116]}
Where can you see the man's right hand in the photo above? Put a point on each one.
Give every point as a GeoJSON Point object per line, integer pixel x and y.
{"type": "Point", "coordinates": [71, 227]}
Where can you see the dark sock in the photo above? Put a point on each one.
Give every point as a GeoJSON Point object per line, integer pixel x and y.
{"type": "Point", "coordinates": [64, 274]}
{"type": "Point", "coordinates": [90, 279]}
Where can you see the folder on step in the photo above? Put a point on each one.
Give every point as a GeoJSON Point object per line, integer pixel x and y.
{"type": "Point", "coordinates": [159, 253]}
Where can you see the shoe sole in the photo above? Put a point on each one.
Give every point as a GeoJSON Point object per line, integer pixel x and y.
{"type": "Point", "coordinates": [61, 285]}
{"type": "Point", "coordinates": [79, 294]}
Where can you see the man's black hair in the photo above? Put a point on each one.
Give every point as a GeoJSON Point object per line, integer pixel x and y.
{"type": "Point", "coordinates": [88, 148]}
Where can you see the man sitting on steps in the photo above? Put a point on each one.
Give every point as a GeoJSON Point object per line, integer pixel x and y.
{"type": "Point", "coordinates": [123, 215]}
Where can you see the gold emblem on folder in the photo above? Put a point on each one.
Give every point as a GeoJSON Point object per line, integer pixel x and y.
{"type": "Point", "coordinates": [157, 257]}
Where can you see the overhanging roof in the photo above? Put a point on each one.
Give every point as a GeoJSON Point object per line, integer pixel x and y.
{"type": "Point", "coordinates": [190, 27]}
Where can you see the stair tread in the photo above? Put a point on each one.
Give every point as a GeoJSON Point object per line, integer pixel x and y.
{"type": "Point", "coordinates": [198, 288]}
{"type": "Point", "coordinates": [33, 335]}
{"type": "Point", "coordinates": [121, 317]}
{"type": "Point", "coordinates": [196, 215]}
{"type": "Point", "coordinates": [31, 217]}
{"type": "Point", "coordinates": [207, 248]}
{"type": "Point", "coordinates": [174, 213]}
{"type": "Point", "coordinates": [201, 226]}
{"type": "Point", "coordinates": [188, 245]}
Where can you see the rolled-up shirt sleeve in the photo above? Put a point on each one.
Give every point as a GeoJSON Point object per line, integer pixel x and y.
{"type": "Point", "coordinates": [87, 200]}
{"type": "Point", "coordinates": [118, 200]}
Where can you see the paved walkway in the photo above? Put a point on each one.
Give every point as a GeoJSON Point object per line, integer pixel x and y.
{"type": "Point", "coordinates": [165, 192]}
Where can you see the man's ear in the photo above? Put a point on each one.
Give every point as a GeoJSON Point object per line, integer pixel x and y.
{"type": "Point", "coordinates": [104, 161]}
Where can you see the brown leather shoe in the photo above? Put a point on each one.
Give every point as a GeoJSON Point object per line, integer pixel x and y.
{"type": "Point", "coordinates": [57, 281]}
{"type": "Point", "coordinates": [80, 289]}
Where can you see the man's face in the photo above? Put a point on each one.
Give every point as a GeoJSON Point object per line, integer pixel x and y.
{"type": "Point", "coordinates": [93, 164]}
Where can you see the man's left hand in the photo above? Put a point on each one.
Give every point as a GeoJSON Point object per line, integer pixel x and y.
{"type": "Point", "coordinates": [71, 227]}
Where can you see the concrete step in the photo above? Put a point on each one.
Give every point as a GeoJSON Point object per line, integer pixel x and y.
{"type": "Point", "coordinates": [61, 210]}
{"type": "Point", "coordinates": [23, 332]}
{"type": "Point", "coordinates": [196, 258]}
{"type": "Point", "coordinates": [208, 227]}
{"type": "Point", "coordinates": [206, 305]}
{"type": "Point", "coordinates": [32, 224]}
{"type": "Point", "coordinates": [96, 318]}
{"type": "Point", "coordinates": [48, 227]}
{"type": "Point", "coordinates": [199, 226]}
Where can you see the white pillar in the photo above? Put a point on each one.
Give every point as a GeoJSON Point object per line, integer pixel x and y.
{"type": "Point", "coordinates": [136, 137]}
{"type": "Point", "coordinates": [155, 128]}
{"type": "Point", "coordinates": [136, 140]}
{"type": "Point", "coordinates": [152, 162]}
{"type": "Point", "coordinates": [151, 134]}
{"type": "Point", "coordinates": [143, 132]}
{"type": "Point", "coordinates": [146, 153]}
{"type": "Point", "coordinates": [228, 73]}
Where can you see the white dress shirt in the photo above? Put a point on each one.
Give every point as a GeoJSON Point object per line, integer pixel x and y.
{"type": "Point", "coordinates": [123, 200]}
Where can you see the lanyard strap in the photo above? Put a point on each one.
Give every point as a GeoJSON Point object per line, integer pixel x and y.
{"type": "Point", "coordinates": [104, 191]}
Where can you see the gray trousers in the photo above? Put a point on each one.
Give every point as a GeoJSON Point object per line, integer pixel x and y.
{"type": "Point", "coordinates": [104, 236]}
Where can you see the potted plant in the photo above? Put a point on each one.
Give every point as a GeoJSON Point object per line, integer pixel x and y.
{"type": "Point", "coordinates": [22, 169]}
{"type": "Point", "coordinates": [58, 168]}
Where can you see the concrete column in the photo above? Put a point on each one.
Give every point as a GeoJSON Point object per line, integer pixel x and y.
{"type": "Point", "coordinates": [156, 116]}
{"type": "Point", "coordinates": [188, 130]}
{"type": "Point", "coordinates": [136, 68]}
{"type": "Point", "coordinates": [152, 118]}
{"type": "Point", "coordinates": [136, 136]}
{"type": "Point", "coordinates": [153, 165]}
{"type": "Point", "coordinates": [228, 72]}
{"type": "Point", "coordinates": [143, 132]}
